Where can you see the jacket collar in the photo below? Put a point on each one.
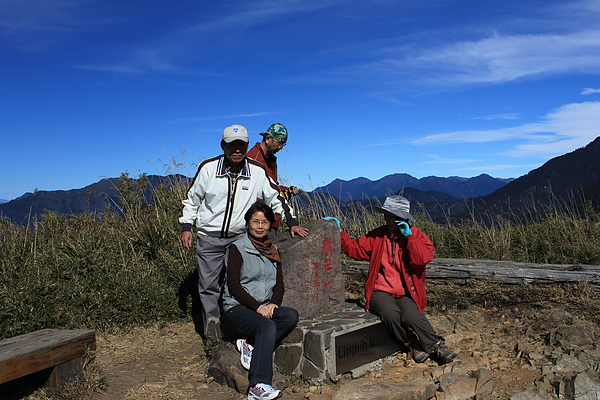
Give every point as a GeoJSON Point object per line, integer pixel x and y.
{"type": "Point", "coordinates": [248, 246]}
{"type": "Point", "coordinates": [223, 167]}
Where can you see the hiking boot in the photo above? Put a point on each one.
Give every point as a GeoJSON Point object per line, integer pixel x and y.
{"type": "Point", "coordinates": [418, 355]}
{"type": "Point", "coordinates": [442, 353]}
{"type": "Point", "coordinates": [263, 391]}
{"type": "Point", "coordinates": [245, 350]}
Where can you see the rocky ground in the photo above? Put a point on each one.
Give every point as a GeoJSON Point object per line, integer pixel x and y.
{"type": "Point", "coordinates": [539, 351]}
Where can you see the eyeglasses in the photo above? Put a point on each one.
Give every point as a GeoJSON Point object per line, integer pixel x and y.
{"type": "Point", "coordinates": [256, 222]}
{"type": "Point", "coordinates": [279, 143]}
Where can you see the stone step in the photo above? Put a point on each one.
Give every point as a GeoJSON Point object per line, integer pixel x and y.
{"type": "Point", "coordinates": [351, 340]}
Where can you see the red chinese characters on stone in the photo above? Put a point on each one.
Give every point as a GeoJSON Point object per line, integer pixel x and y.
{"type": "Point", "coordinates": [316, 281]}
{"type": "Point", "coordinates": [327, 251]}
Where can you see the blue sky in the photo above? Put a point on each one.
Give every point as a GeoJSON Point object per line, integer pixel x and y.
{"type": "Point", "coordinates": [91, 89]}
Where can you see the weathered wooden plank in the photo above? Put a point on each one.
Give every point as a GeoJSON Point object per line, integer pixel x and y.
{"type": "Point", "coordinates": [506, 272]}
{"type": "Point", "coordinates": [36, 351]}
{"type": "Point", "coordinates": [489, 263]}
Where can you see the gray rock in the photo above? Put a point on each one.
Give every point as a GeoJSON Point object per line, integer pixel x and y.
{"type": "Point", "coordinates": [575, 335]}
{"type": "Point", "coordinates": [568, 363]}
{"type": "Point", "coordinates": [296, 336]}
{"type": "Point", "coordinates": [582, 387]}
{"type": "Point", "coordinates": [527, 395]}
{"type": "Point", "coordinates": [461, 389]}
{"type": "Point", "coordinates": [557, 316]}
{"type": "Point", "coordinates": [310, 371]}
{"type": "Point", "coordinates": [314, 349]}
{"type": "Point", "coordinates": [314, 283]}
{"type": "Point", "coordinates": [371, 389]}
{"type": "Point", "coordinates": [287, 357]}
{"type": "Point", "coordinates": [448, 379]}
{"type": "Point", "coordinates": [225, 367]}
{"type": "Point", "coordinates": [485, 382]}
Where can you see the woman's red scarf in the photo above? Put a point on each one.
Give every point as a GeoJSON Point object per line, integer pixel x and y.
{"type": "Point", "coordinates": [267, 248]}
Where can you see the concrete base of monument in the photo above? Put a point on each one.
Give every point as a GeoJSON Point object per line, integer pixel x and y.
{"type": "Point", "coordinates": [349, 341]}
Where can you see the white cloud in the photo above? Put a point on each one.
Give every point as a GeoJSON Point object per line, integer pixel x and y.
{"type": "Point", "coordinates": [563, 130]}
{"type": "Point", "coordinates": [226, 117]}
{"type": "Point", "coordinates": [590, 91]}
{"type": "Point", "coordinates": [563, 38]}
{"type": "Point", "coordinates": [499, 59]}
{"type": "Point", "coordinates": [178, 47]}
{"type": "Point", "coordinates": [437, 159]}
{"type": "Point", "coordinates": [34, 25]}
{"type": "Point", "coordinates": [500, 116]}
{"type": "Point", "coordinates": [143, 60]}
{"type": "Point", "coordinates": [500, 167]}
{"type": "Point", "coordinates": [32, 15]}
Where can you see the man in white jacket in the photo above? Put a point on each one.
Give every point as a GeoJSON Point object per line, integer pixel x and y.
{"type": "Point", "coordinates": [224, 188]}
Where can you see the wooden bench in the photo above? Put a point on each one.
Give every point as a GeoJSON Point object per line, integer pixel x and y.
{"type": "Point", "coordinates": [57, 352]}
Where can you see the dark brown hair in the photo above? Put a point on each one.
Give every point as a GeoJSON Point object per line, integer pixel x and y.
{"type": "Point", "coordinates": [260, 207]}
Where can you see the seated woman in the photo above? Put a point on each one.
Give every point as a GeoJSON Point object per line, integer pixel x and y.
{"type": "Point", "coordinates": [252, 300]}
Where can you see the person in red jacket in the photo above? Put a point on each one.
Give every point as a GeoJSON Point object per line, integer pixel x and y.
{"type": "Point", "coordinates": [274, 139]}
{"type": "Point", "coordinates": [395, 289]}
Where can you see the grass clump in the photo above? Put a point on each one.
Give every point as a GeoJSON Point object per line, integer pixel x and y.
{"type": "Point", "coordinates": [123, 267]}
{"type": "Point", "coordinates": [120, 268]}
{"type": "Point", "coordinates": [556, 236]}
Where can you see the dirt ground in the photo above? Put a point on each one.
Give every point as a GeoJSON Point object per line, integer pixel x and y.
{"type": "Point", "coordinates": [166, 362]}
{"type": "Point", "coordinates": [503, 331]}
{"type": "Point", "coordinates": [169, 363]}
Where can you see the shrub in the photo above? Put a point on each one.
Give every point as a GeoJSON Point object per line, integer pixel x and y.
{"type": "Point", "coordinates": [122, 268]}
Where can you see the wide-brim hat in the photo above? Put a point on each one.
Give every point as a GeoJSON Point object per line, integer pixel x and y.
{"type": "Point", "coordinates": [235, 132]}
{"type": "Point", "coordinates": [397, 205]}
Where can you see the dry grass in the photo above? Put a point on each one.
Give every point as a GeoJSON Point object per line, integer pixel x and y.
{"type": "Point", "coordinates": [122, 269]}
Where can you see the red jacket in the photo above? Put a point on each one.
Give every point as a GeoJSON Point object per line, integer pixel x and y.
{"type": "Point", "coordinates": [270, 164]}
{"type": "Point", "coordinates": [415, 252]}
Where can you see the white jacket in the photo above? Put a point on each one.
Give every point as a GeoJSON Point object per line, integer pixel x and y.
{"type": "Point", "coordinates": [216, 203]}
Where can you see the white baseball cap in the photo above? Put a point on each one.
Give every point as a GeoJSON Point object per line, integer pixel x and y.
{"type": "Point", "coordinates": [235, 132]}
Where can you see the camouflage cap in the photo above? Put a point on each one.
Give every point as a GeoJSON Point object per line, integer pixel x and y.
{"type": "Point", "coordinates": [277, 132]}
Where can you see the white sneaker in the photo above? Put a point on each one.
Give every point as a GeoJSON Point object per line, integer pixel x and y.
{"type": "Point", "coordinates": [245, 350]}
{"type": "Point", "coordinates": [263, 391]}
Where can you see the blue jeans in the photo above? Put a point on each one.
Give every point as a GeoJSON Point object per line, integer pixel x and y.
{"type": "Point", "coordinates": [265, 333]}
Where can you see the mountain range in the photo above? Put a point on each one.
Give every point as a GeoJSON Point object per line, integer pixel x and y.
{"type": "Point", "coordinates": [93, 198]}
{"type": "Point", "coordinates": [572, 179]}
{"type": "Point", "coordinates": [458, 187]}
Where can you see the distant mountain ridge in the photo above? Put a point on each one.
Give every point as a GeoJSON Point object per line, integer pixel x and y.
{"type": "Point", "coordinates": [95, 197]}
{"type": "Point", "coordinates": [461, 188]}
{"type": "Point", "coordinates": [92, 198]}
{"type": "Point", "coordinates": [571, 180]}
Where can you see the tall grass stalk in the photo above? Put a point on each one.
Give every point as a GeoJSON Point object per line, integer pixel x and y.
{"type": "Point", "coordinates": [122, 267]}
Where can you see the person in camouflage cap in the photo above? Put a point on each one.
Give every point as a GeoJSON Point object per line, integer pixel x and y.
{"type": "Point", "coordinates": [274, 139]}
{"type": "Point", "coordinates": [277, 132]}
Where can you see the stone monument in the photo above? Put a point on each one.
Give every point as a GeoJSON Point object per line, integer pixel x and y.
{"type": "Point", "coordinates": [314, 283]}
{"type": "Point", "coordinates": [333, 337]}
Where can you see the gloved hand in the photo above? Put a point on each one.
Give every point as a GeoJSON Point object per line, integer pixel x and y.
{"type": "Point", "coordinates": [404, 228]}
{"type": "Point", "coordinates": [333, 219]}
